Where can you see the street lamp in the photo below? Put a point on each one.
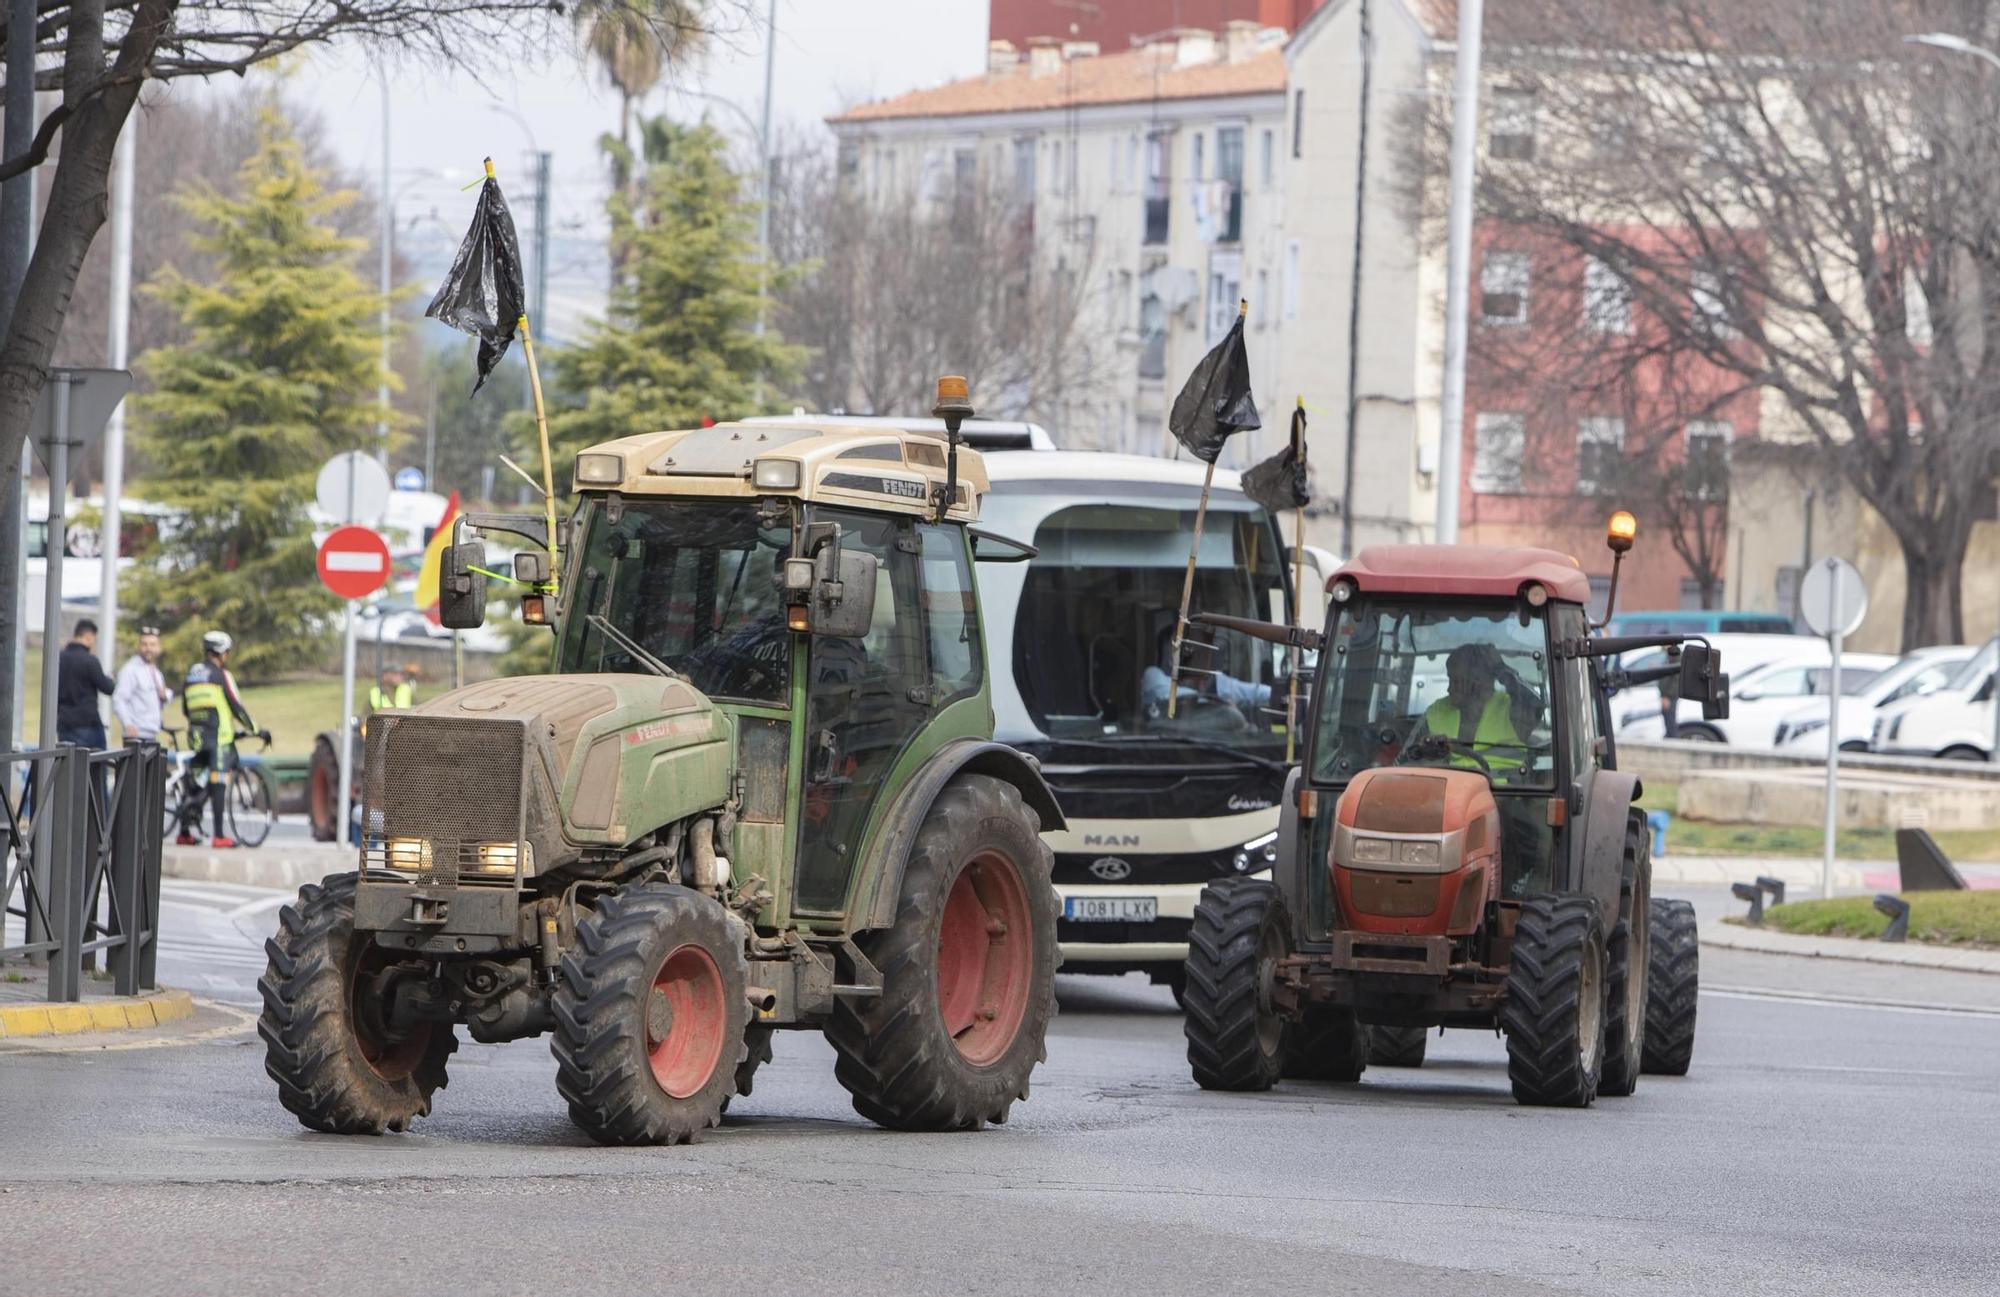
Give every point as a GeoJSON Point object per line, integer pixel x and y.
{"type": "Point", "coordinates": [1960, 45]}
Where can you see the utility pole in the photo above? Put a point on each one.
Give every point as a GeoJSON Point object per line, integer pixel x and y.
{"type": "Point", "coordinates": [17, 212]}
{"type": "Point", "coordinates": [1458, 264]}
{"type": "Point", "coordinates": [119, 347]}
{"type": "Point", "coordinates": [764, 183]}
{"type": "Point", "coordinates": [388, 238]}
{"type": "Point", "coordinates": [541, 307]}
{"type": "Point", "coordinates": [1354, 292]}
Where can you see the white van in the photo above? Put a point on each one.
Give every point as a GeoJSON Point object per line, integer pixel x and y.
{"type": "Point", "coordinates": [1955, 722]}
{"type": "Point", "coordinates": [1915, 675]}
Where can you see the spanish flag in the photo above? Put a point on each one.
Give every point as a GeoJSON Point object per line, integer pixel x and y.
{"type": "Point", "coordinates": [428, 575]}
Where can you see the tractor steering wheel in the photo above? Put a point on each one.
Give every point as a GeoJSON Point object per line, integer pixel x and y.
{"type": "Point", "coordinates": [1432, 746]}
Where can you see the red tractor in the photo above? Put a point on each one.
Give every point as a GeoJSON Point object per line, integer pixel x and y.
{"type": "Point", "coordinates": [1458, 847]}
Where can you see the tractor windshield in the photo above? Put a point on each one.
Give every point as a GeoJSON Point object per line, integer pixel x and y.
{"type": "Point", "coordinates": [694, 585]}
{"type": "Point", "coordinates": [1436, 682]}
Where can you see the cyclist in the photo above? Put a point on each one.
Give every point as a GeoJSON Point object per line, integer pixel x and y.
{"type": "Point", "coordinates": [215, 715]}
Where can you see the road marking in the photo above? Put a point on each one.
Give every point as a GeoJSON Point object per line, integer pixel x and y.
{"type": "Point", "coordinates": [1849, 1002]}
{"type": "Point", "coordinates": [259, 906]}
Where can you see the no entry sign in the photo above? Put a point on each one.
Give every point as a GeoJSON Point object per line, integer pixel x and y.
{"type": "Point", "coordinates": [353, 562]}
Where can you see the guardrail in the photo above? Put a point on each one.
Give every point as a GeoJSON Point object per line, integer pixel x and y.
{"type": "Point", "coordinates": [80, 861]}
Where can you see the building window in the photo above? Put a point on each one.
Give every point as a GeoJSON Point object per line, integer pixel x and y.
{"type": "Point", "coordinates": [1152, 337]}
{"type": "Point", "coordinates": [1267, 158]}
{"type": "Point", "coordinates": [1159, 186]}
{"type": "Point", "coordinates": [1198, 166]}
{"type": "Point", "coordinates": [1503, 288]}
{"type": "Point", "coordinates": [1600, 454]}
{"type": "Point", "coordinates": [1024, 171]}
{"type": "Point", "coordinates": [1607, 299]}
{"type": "Point", "coordinates": [1298, 122]}
{"type": "Point", "coordinates": [1229, 184]}
{"type": "Point", "coordinates": [1225, 290]}
{"type": "Point", "coordinates": [1709, 305]}
{"type": "Point", "coordinates": [1122, 314]}
{"type": "Point", "coordinates": [1291, 288]}
{"type": "Point", "coordinates": [1499, 441]}
{"type": "Point", "coordinates": [1706, 460]}
{"type": "Point", "coordinates": [1512, 126]}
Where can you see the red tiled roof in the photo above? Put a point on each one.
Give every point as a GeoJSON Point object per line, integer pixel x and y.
{"type": "Point", "coordinates": [1138, 76]}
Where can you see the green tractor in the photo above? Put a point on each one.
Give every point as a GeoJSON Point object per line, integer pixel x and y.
{"type": "Point", "coordinates": [757, 792]}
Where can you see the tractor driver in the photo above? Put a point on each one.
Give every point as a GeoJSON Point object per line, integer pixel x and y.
{"type": "Point", "coordinates": [1476, 714]}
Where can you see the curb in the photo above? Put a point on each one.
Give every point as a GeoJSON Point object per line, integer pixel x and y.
{"type": "Point", "coordinates": [1734, 936]}
{"type": "Point", "coordinates": [121, 1014]}
{"type": "Point", "coordinates": [286, 869]}
{"type": "Point", "coordinates": [1796, 871]}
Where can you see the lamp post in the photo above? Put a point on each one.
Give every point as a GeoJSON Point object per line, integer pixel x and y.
{"type": "Point", "coordinates": [1960, 45]}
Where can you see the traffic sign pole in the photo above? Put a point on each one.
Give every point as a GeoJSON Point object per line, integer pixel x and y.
{"type": "Point", "coordinates": [343, 814]}
{"type": "Point", "coordinates": [353, 563]}
{"type": "Point", "coordinates": [1832, 751]}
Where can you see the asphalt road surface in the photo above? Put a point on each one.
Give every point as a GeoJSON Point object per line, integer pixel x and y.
{"type": "Point", "coordinates": [1838, 1135]}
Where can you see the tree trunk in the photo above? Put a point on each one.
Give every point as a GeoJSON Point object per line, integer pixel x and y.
{"type": "Point", "coordinates": [1933, 610]}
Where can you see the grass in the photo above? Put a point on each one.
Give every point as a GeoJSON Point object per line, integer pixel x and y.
{"type": "Point", "coordinates": [1936, 918]}
{"type": "Point", "coordinates": [295, 711]}
{"type": "Point", "coordinates": [1700, 838]}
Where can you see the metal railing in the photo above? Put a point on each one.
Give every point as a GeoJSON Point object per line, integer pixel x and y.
{"type": "Point", "coordinates": [80, 862]}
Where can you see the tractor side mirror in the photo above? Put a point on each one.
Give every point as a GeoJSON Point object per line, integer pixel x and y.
{"type": "Point", "coordinates": [462, 586]}
{"type": "Point", "coordinates": [1702, 679]}
{"type": "Point", "coordinates": [844, 598]}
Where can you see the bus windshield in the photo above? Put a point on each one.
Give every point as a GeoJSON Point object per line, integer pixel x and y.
{"type": "Point", "coordinates": [1093, 631]}
{"type": "Point", "coordinates": [1416, 682]}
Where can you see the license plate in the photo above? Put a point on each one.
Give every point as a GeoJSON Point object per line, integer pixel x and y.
{"type": "Point", "coordinates": [1111, 909]}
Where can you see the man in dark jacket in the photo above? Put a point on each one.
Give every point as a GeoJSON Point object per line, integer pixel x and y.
{"type": "Point", "coordinates": [79, 680]}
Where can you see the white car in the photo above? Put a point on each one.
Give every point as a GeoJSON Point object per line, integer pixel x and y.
{"type": "Point", "coordinates": [1636, 711]}
{"type": "Point", "coordinates": [1955, 721]}
{"type": "Point", "coordinates": [1915, 675]}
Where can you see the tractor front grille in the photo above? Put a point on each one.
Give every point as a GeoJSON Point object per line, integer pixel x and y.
{"type": "Point", "coordinates": [442, 797]}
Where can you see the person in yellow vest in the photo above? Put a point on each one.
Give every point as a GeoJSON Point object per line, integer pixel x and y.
{"type": "Point", "coordinates": [215, 716]}
{"type": "Point", "coordinates": [392, 692]}
{"type": "Point", "coordinates": [1476, 714]}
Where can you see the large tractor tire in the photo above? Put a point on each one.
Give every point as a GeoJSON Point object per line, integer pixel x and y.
{"type": "Point", "coordinates": [968, 970]}
{"type": "Point", "coordinates": [1627, 964]}
{"type": "Point", "coordinates": [1554, 1011]}
{"type": "Point", "coordinates": [650, 1016]}
{"type": "Point", "coordinates": [339, 1067]}
{"type": "Point", "coordinates": [1326, 1044]}
{"type": "Point", "coordinates": [1397, 1046]}
{"type": "Point", "coordinates": [1236, 1037]}
{"type": "Point", "coordinates": [1674, 985]}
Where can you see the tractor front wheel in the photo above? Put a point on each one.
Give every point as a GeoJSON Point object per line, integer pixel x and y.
{"type": "Point", "coordinates": [968, 970]}
{"type": "Point", "coordinates": [1673, 988]}
{"type": "Point", "coordinates": [1236, 1036]}
{"type": "Point", "coordinates": [1554, 1011]}
{"type": "Point", "coordinates": [339, 1066]}
{"type": "Point", "coordinates": [1397, 1046]}
{"type": "Point", "coordinates": [650, 1017]}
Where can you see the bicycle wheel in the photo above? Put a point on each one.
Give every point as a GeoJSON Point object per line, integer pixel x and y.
{"type": "Point", "coordinates": [174, 800]}
{"type": "Point", "coordinates": [250, 813]}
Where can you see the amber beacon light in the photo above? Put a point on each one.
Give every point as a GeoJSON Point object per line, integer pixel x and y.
{"type": "Point", "coordinates": [1621, 532]}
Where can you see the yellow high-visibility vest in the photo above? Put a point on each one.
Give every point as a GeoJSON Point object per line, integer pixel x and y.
{"type": "Point", "coordinates": [405, 696]}
{"type": "Point", "coordinates": [1496, 728]}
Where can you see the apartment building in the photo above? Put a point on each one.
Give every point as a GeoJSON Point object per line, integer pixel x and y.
{"type": "Point", "coordinates": [1152, 175]}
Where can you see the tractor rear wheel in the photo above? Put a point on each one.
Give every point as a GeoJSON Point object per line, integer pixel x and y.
{"type": "Point", "coordinates": [1628, 951]}
{"type": "Point", "coordinates": [650, 1016]}
{"type": "Point", "coordinates": [1236, 1037]}
{"type": "Point", "coordinates": [1554, 1011]}
{"type": "Point", "coordinates": [968, 970]}
{"type": "Point", "coordinates": [1397, 1046]}
{"type": "Point", "coordinates": [1326, 1044]}
{"type": "Point", "coordinates": [1673, 988]}
{"type": "Point", "coordinates": [339, 1066]}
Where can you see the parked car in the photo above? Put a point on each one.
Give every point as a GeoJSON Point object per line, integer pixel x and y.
{"type": "Point", "coordinates": [1915, 675]}
{"type": "Point", "coordinates": [1955, 722]}
{"type": "Point", "coordinates": [1636, 712]}
{"type": "Point", "coordinates": [1759, 697]}
{"type": "Point", "coordinates": [1705, 621]}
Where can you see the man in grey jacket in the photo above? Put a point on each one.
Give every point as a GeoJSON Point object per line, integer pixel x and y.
{"type": "Point", "coordinates": [141, 690]}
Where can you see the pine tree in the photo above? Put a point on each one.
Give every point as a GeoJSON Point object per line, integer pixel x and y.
{"type": "Point", "coordinates": [678, 342]}
{"type": "Point", "coordinates": [278, 373]}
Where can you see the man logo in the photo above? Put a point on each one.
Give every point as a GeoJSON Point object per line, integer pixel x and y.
{"type": "Point", "coordinates": [1111, 869]}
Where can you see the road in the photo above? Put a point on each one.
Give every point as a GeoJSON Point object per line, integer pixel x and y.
{"type": "Point", "coordinates": [1819, 1146]}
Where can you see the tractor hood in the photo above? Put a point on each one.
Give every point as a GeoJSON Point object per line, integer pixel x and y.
{"type": "Point", "coordinates": [599, 760]}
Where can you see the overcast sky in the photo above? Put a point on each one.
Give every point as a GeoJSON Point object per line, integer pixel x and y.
{"type": "Point", "coordinates": [830, 53]}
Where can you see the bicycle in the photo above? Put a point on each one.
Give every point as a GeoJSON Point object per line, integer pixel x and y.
{"type": "Point", "coordinates": [248, 804]}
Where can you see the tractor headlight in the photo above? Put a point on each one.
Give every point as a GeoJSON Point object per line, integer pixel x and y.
{"type": "Point", "coordinates": [599, 468]}
{"type": "Point", "coordinates": [775, 475]}
{"type": "Point", "coordinates": [1417, 853]}
{"type": "Point", "coordinates": [1374, 851]}
{"type": "Point", "coordinates": [411, 855]}
{"type": "Point", "coordinates": [498, 858]}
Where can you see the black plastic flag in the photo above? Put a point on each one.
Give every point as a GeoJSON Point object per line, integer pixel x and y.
{"type": "Point", "coordinates": [1279, 483]}
{"type": "Point", "coordinates": [1216, 402]}
{"type": "Point", "coordinates": [484, 294]}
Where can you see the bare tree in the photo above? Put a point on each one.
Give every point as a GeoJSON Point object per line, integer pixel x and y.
{"type": "Point", "coordinates": [1793, 196]}
{"type": "Point", "coordinates": [894, 291]}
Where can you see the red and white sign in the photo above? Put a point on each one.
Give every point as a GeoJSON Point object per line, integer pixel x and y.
{"type": "Point", "coordinates": [354, 562]}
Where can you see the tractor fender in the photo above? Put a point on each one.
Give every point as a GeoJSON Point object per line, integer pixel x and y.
{"type": "Point", "coordinates": [1597, 842]}
{"type": "Point", "coordinates": [899, 828]}
{"type": "Point", "coordinates": [1289, 871]}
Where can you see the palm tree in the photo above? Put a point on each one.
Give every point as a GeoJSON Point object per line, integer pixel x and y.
{"type": "Point", "coordinates": [635, 41]}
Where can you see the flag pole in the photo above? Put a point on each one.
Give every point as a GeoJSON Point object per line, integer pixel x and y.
{"type": "Point", "coordinates": [542, 426]}
{"type": "Point", "coordinates": [1298, 599]}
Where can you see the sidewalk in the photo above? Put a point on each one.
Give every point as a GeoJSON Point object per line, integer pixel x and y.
{"type": "Point", "coordinates": [286, 866]}
{"type": "Point", "coordinates": [25, 1009]}
{"type": "Point", "coordinates": [1909, 954]}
